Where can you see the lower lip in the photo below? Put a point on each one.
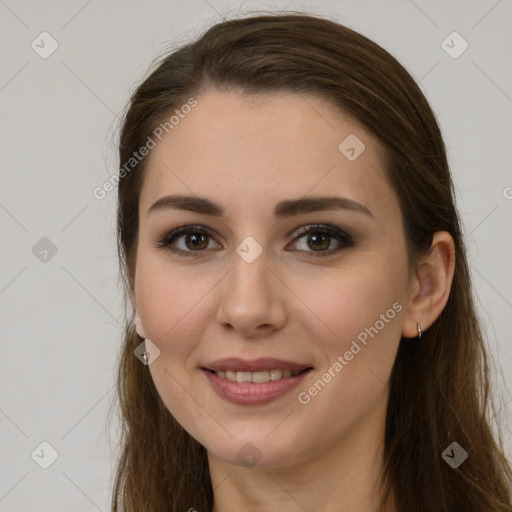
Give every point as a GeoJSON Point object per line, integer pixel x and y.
{"type": "Point", "coordinates": [252, 393]}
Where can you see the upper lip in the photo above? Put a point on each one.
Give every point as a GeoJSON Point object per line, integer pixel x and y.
{"type": "Point", "coordinates": [254, 365]}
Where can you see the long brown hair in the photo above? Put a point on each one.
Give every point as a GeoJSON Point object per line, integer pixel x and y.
{"type": "Point", "coordinates": [439, 385]}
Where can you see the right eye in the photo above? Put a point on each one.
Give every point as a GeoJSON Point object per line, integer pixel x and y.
{"type": "Point", "coordinates": [195, 239]}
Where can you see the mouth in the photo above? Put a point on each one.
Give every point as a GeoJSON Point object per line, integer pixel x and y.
{"type": "Point", "coordinates": [254, 382]}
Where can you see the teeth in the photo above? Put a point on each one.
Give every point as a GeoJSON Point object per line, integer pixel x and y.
{"type": "Point", "coordinates": [263, 376]}
{"type": "Point", "coordinates": [275, 374]}
{"type": "Point", "coordinates": [243, 376]}
{"type": "Point", "coordinates": [258, 377]}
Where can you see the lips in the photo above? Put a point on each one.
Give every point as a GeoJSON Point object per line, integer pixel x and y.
{"type": "Point", "coordinates": [256, 381]}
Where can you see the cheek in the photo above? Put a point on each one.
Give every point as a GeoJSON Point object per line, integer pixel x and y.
{"type": "Point", "coordinates": [171, 303]}
{"type": "Point", "coordinates": [357, 326]}
{"type": "Point", "coordinates": [346, 300]}
{"type": "Point", "coordinates": [361, 314]}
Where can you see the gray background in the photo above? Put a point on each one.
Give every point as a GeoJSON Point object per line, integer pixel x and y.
{"type": "Point", "coordinates": [61, 317]}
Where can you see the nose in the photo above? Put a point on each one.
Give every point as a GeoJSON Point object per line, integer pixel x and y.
{"type": "Point", "coordinates": [252, 299]}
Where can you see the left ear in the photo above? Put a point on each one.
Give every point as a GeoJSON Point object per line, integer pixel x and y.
{"type": "Point", "coordinates": [430, 285]}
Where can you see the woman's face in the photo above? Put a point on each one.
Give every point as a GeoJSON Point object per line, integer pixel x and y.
{"type": "Point", "coordinates": [250, 286]}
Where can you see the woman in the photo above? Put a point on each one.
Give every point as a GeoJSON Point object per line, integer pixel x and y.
{"type": "Point", "coordinates": [302, 333]}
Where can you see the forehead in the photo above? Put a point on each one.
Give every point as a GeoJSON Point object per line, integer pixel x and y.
{"type": "Point", "coordinates": [250, 151]}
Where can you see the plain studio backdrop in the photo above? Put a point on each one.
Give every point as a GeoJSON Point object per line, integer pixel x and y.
{"type": "Point", "coordinates": [67, 70]}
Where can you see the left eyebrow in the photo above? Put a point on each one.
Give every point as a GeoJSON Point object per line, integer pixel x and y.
{"type": "Point", "coordinates": [283, 209]}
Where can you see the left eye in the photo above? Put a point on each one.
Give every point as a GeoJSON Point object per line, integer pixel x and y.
{"type": "Point", "coordinates": [196, 239]}
{"type": "Point", "coordinates": [320, 237]}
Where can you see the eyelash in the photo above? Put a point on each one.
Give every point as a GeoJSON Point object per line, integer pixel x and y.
{"type": "Point", "coordinates": [165, 242]}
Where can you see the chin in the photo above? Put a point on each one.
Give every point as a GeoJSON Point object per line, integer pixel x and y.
{"type": "Point", "coordinates": [256, 450]}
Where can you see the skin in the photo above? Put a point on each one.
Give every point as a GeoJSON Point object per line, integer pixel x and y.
{"type": "Point", "coordinates": [248, 153]}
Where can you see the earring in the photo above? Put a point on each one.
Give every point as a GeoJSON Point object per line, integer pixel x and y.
{"type": "Point", "coordinates": [141, 351]}
{"type": "Point", "coordinates": [419, 332]}
{"type": "Point", "coordinates": [146, 351]}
